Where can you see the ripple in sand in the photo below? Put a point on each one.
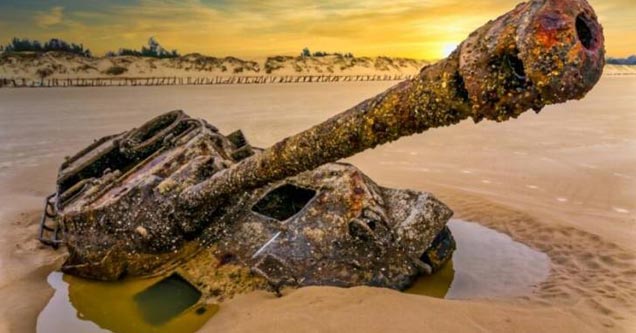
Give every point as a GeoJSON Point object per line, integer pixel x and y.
{"type": "Point", "coordinates": [486, 264]}
{"type": "Point", "coordinates": [620, 175]}
{"type": "Point", "coordinates": [620, 210]}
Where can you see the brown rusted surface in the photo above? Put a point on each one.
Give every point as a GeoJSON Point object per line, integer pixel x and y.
{"type": "Point", "coordinates": [112, 218]}
{"type": "Point", "coordinates": [542, 52]}
{"type": "Point", "coordinates": [331, 225]}
{"type": "Point", "coordinates": [349, 232]}
{"type": "Point", "coordinates": [145, 201]}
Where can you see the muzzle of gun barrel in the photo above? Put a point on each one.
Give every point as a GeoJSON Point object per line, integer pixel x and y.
{"type": "Point", "coordinates": [540, 53]}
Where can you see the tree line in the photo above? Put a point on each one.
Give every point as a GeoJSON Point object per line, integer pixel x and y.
{"type": "Point", "coordinates": [307, 53]}
{"type": "Point", "coordinates": [54, 44]}
{"type": "Point", "coordinates": [631, 60]}
{"type": "Point", "coordinates": [153, 49]}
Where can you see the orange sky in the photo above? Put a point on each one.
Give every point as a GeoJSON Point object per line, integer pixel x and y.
{"type": "Point", "coordinates": [410, 28]}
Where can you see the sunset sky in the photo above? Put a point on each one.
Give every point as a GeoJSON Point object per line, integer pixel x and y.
{"type": "Point", "coordinates": [410, 28]}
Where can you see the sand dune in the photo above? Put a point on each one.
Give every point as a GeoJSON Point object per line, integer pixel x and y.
{"type": "Point", "coordinates": [57, 65]}
{"type": "Point", "coordinates": [63, 65]}
{"type": "Point", "coordinates": [57, 69]}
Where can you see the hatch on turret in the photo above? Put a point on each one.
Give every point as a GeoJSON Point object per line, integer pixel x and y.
{"type": "Point", "coordinates": [283, 202]}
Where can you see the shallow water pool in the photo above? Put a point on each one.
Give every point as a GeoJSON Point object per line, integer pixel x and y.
{"type": "Point", "coordinates": [157, 305]}
{"type": "Point", "coordinates": [486, 264]}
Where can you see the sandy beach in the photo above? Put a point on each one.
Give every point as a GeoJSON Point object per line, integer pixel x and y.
{"type": "Point", "coordinates": [56, 69]}
{"type": "Point", "coordinates": [562, 182]}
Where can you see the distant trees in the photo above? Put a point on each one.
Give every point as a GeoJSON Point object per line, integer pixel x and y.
{"type": "Point", "coordinates": [307, 53]}
{"type": "Point", "coordinates": [631, 60]}
{"type": "Point", "coordinates": [152, 50]}
{"type": "Point", "coordinates": [54, 44]}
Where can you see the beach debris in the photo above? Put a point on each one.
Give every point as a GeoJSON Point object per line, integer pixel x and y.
{"type": "Point", "coordinates": [328, 226]}
{"type": "Point", "coordinates": [189, 187]}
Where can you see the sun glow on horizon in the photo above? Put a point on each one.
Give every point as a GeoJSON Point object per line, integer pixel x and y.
{"type": "Point", "coordinates": [407, 28]}
{"type": "Point", "coordinates": [448, 49]}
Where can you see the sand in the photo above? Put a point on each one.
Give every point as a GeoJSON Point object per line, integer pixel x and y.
{"type": "Point", "coordinates": [590, 289]}
{"type": "Point", "coordinates": [562, 182]}
{"type": "Point", "coordinates": [57, 65]}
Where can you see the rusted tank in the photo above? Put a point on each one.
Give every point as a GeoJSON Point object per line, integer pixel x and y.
{"type": "Point", "coordinates": [328, 226]}
{"type": "Point", "coordinates": [146, 201]}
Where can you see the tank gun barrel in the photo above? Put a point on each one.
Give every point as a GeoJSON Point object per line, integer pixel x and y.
{"type": "Point", "coordinates": [542, 52]}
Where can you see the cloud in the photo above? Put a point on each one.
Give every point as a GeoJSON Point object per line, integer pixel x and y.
{"type": "Point", "coordinates": [49, 18]}
{"type": "Point", "coordinates": [414, 28]}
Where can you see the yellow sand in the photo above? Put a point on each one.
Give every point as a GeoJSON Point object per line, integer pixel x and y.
{"type": "Point", "coordinates": [563, 182]}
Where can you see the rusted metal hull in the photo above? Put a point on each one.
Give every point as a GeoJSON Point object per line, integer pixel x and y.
{"type": "Point", "coordinates": [328, 226]}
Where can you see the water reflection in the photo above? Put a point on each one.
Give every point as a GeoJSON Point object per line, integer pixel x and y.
{"type": "Point", "coordinates": [157, 305]}
{"type": "Point", "coordinates": [486, 264]}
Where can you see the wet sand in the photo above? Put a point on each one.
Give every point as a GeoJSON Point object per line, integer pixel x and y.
{"type": "Point", "coordinates": [562, 182]}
